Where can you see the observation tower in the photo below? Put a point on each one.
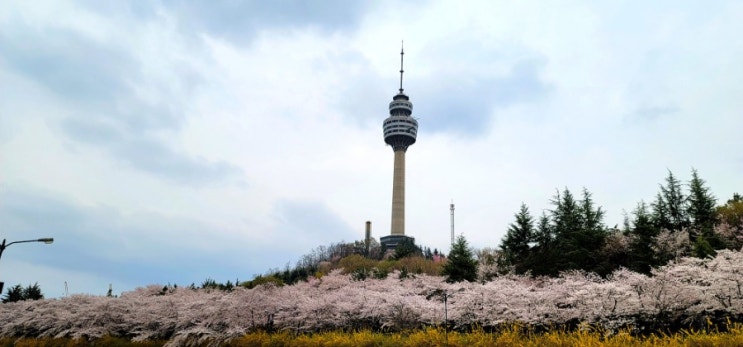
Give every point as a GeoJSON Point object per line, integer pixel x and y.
{"type": "Point", "coordinates": [400, 131]}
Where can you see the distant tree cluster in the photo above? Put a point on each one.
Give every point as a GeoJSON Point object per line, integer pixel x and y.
{"type": "Point", "coordinates": [19, 293]}
{"type": "Point", "coordinates": [572, 235]}
{"type": "Point", "coordinates": [314, 264]}
{"type": "Point", "coordinates": [360, 261]}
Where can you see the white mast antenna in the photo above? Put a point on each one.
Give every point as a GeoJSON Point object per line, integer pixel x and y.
{"type": "Point", "coordinates": [451, 208]}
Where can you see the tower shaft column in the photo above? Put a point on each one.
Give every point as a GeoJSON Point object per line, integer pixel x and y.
{"type": "Point", "coordinates": [398, 194]}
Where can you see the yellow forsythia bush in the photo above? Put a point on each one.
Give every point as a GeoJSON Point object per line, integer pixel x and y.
{"type": "Point", "coordinates": [511, 337]}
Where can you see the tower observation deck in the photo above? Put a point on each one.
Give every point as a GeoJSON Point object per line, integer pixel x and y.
{"type": "Point", "coordinates": [400, 132]}
{"type": "Point", "coordinates": [400, 129]}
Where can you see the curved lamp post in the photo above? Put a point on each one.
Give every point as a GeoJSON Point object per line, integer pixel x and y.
{"type": "Point", "coordinates": [3, 246]}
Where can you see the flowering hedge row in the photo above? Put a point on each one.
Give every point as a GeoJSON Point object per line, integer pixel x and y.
{"type": "Point", "coordinates": [687, 291]}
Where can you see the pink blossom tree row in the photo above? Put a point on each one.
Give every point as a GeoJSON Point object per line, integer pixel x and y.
{"type": "Point", "coordinates": [689, 289]}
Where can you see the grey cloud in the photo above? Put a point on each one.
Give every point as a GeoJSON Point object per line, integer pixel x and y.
{"type": "Point", "coordinates": [154, 157]}
{"type": "Point", "coordinates": [310, 221]}
{"type": "Point", "coordinates": [476, 78]}
{"type": "Point", "coordinates": [138, 249]}
{"type": "Point", "coordinates": [522, 84]}
{"type": "Point", "coordinates": [67, 64]}
{"type": "Point", "coordinates": [651, 113]}
{"type": "Point", "coordinates": [451, 99]}
{"type": "Point", "coordinates": [365, 98]}
{"type": "Point", "coordinates": [96, 78]}
{"type": "Point", "coordinates": [97, 81]}
{"type": "Point", "coordinates": [239, 21]}
{"type": "Point", "coordinates": [23, 214]}
{"type": "Point", "coordinates": [143, 10]}
{"type": "Point", "coordinates": [31, 214]}
{"type": "Point", "coordinates": [463, 104]}
{"type": "Point", "coordinates": [91, 130]}
{"type": "Point", "coordinates": [147, 154]}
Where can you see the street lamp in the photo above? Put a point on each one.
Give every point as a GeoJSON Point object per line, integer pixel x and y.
{"type": "Point", "coordinates": [3, 246]}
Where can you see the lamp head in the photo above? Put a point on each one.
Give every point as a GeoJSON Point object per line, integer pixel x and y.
{"type": "Point", "coordinates": [46, 240]}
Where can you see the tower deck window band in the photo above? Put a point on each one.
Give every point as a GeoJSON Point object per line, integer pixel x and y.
{"type": "Point", "coordinates": [400, 131]}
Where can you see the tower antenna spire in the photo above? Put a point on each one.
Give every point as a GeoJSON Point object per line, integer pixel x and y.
{"type": "Point", "coordinates": [402, 54]}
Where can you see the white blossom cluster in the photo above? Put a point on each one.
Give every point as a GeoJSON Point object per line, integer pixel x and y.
{"type": "Point", "coordinates": [690, 287]}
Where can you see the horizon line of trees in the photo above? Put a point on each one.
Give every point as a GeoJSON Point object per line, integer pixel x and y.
{"type": "Point", "coordinates": [321, 259]}
{"type": "Point", "coordinates": [572, 235]}
{"type": "Point", "coordinates": [20, 293]}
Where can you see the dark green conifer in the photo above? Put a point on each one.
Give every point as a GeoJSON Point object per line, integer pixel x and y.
{"type": "Point", "coordinates": [516, 243]}
{"type": "Point", "coordinates": [461, 264]}
{"type": "Point", "coordinates": [543, 256]}
{"type": "Point", "coordinates": [675, 203]}
{"type": "Point", "coordinates": [642, 233]}
{"type": "Point", "coordinates": [660, 213]}
{"type": "Point", "coordinates": [701, 205]}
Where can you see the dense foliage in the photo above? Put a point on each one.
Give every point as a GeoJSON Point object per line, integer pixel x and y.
{"type": "Point", "coordinates": [731, 222]}
{"type": "Point", "coordinates": [19, 293]}
{"type": "Point", "coordinates": [461, 265]}
{"type": "Point", "coordinates": [324, 259]}
{"type": "Point", "coordinates": [686, 293]}
{"type": "Point", "coordinates": [407, 248]}
{"type": "Point", "coordinates": [572, 236]}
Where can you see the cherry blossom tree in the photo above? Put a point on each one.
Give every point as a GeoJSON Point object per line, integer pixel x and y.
{"type": "Point", "coordinates": [685, 291]}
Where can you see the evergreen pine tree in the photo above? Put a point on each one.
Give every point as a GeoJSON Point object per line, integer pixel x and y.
{"type": "Point", "coordinates": [701, 208]}
{"type": "Point", "coordinates": [566, 217]}
{"type": "Point", "coordinates": [592, 218]}
{"type": "Point", "coordinates": [643, 233]}
{"type": "Point", "coordinates": [660, 213]}
{"type": "Point", "coordinates": [702, 247]}
{"type": "Point", "coordinates": [579, 232]}
{"type": "Point", "coordinates": [515, 245]}
{"type": "Point", "coordinates": [32, 292]}
{"type": "Point", "coordinates": [591, 236]}
{"type": "Point", "coordinates": [567, 223]}
{"type": "Point", "coordinates": [428, 254]}
{"type": "Point", "coordinates": [14, 293]}
{"type": "Point", "coordinates": [626, 225]}
{"type": "Point", "coordinates": [18, 293]}
{"type": "Point", "coordinates": [675, 203]}
{"type": "Point", "coordinates": [461, 264]}
{"type": "Point", "coordinates": [542, 257]}
{"type": "Point", "coordinates": [544, 234]}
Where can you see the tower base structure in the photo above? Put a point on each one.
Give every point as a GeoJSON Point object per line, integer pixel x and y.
{"type": "Point", "coordinates": [390, 242]}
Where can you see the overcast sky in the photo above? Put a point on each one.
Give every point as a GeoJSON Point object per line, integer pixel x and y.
{"type": "Point", "coordinates": [174, 141]}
